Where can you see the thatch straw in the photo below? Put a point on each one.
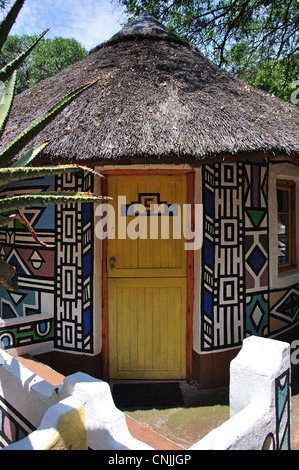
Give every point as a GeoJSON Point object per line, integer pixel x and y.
{"type": "Point", "coordinates": [158, 100]}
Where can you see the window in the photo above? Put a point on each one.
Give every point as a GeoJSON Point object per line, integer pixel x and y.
{"type": "Point", "coordinates": [286, 190]}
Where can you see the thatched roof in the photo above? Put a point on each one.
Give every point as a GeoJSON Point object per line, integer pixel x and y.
{"type": "Point", "coordinates": [158, 100]}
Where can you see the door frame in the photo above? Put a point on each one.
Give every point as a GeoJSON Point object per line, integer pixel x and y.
{"type": "Point", "coordinates": [190, 176]}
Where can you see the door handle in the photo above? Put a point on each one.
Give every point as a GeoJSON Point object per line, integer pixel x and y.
{"type": "Point", "coordinates": [112, 262]}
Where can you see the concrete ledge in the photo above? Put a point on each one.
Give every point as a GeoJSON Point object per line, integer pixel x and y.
{"type": "Point", "coordinates": [150, 437]}
{"type": "Point", "coordinates": [42, 370]}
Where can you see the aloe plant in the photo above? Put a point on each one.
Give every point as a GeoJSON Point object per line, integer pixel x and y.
{"type": "Point", "coordinates": [8, 22]}
{"type": "Point", "coordinates": [6, 71]}
{"type": "Point", "coordinates": [13, 169]}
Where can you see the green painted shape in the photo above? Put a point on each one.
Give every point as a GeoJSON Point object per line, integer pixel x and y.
{"type": "Point", "coordinates": [256, 216]}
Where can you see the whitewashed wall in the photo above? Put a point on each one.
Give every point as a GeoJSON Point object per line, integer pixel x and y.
{"type": "Point", "coordinates": [260, 400]}
{"type": "Point", "coordinates": [260, 406]}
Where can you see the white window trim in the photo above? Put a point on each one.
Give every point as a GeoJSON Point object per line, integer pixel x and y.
{"type": "Point", "coordinates": [285, 279]}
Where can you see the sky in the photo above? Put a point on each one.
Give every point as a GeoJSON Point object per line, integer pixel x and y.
{"type": "Point", "coordinates": [90, 22]}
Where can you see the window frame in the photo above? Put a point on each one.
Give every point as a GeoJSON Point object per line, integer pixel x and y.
{"type": "Point", "coordinates": [289, 186]}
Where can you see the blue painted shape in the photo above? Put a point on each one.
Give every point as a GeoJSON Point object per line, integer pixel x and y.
{"type": "Point", "coordinates": [208, 253]}
{"type": "Point", "coordinates": [256, 260]}
{"type": "Point", "coordinates": [43, 327]}
{"type": "Point", "coordinates": [15, 262]}
{"type": "Point", "coordinates": [87, 212]}
{"type": "Point", "coordinates": [87, 264]}
{"type": "Point", "coordinates": [5, 342]}
{"type": "Point", "coordinates": [46, 220]}
{"type": "Point", "coordinates": [209, 206]}
{"type": "Point", "coordinates": [207, 303]}
{"type": "Point", "coordinates": [86, 322]}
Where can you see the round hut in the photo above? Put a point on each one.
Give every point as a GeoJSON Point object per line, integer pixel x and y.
{"type": "Point", "coordinates": [198, 247]}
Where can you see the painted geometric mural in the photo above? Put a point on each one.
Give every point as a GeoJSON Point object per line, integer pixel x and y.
{"type": "Point", "coordinates": [74, 268]}
{"type": "Point", "coordinates": [13, 426]}
{"type": "Point", "coordinates": [256, 249]}
{"type": "Point", "coordinates": [236, 300]}
{"type": "Point", "coordinates": [54, 304]}
{"type": "Point", "coordinates": [36, 271]}
{"type": "Point", "coordinates": [283, 411]}
{"type": "Point", "coordinates": [284, 308]}
{"type": "Point", "coordinates": [223, 276]}
{"type": "Point", "coordinates": [54, 283]}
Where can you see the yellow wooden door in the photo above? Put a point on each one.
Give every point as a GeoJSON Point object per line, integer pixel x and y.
{"type": "Point", "coordinates": [147, 278]}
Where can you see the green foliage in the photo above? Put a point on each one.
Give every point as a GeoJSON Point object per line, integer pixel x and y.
{"type": "Point", "coordinates": [49, 57]}
{"type": "Point", "coordinates": [275, 77]}
{"type": "Point", "coordinates": [18, 170]}
{"type": "Point", "coordinates": [235, 34]}
{"type": "Point", "coordinates": [53, 55]}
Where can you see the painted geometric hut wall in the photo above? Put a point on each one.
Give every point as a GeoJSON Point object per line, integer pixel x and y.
{"type": "Point", "coordinates": [53, 307]}
{"type": "Point", "coordinates": [55, 310]}
{"type": "Point", "coordinates": [237, 297]}
{"type": "Point", "coordinates": [21, 311]}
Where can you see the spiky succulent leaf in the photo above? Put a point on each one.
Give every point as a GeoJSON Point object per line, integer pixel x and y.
{"type": "Point", "coordinates": [8, 276]}
{"type": "Point", "coordinates": [13, 175]}
{"type": "Point", "coordinates": [7, 23]}
{"type": "Point", "coordinates": [6, 99]}
{"type": "Point", "coordinates": [6, 71]}
{"type": "Point", "coordinates": [31, 155]}
{"type": "Point", "coordinates": [10, 204]}
{"type": "Point", "coordinates": [4, 220]}
{"type": "Point", "coordinates": [37, 126]}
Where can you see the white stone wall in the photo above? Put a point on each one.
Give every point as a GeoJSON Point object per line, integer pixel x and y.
{"type": "Point", "coordinates": [259, 404]}
{"type": "Point", "coordinates": [259, 400]}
